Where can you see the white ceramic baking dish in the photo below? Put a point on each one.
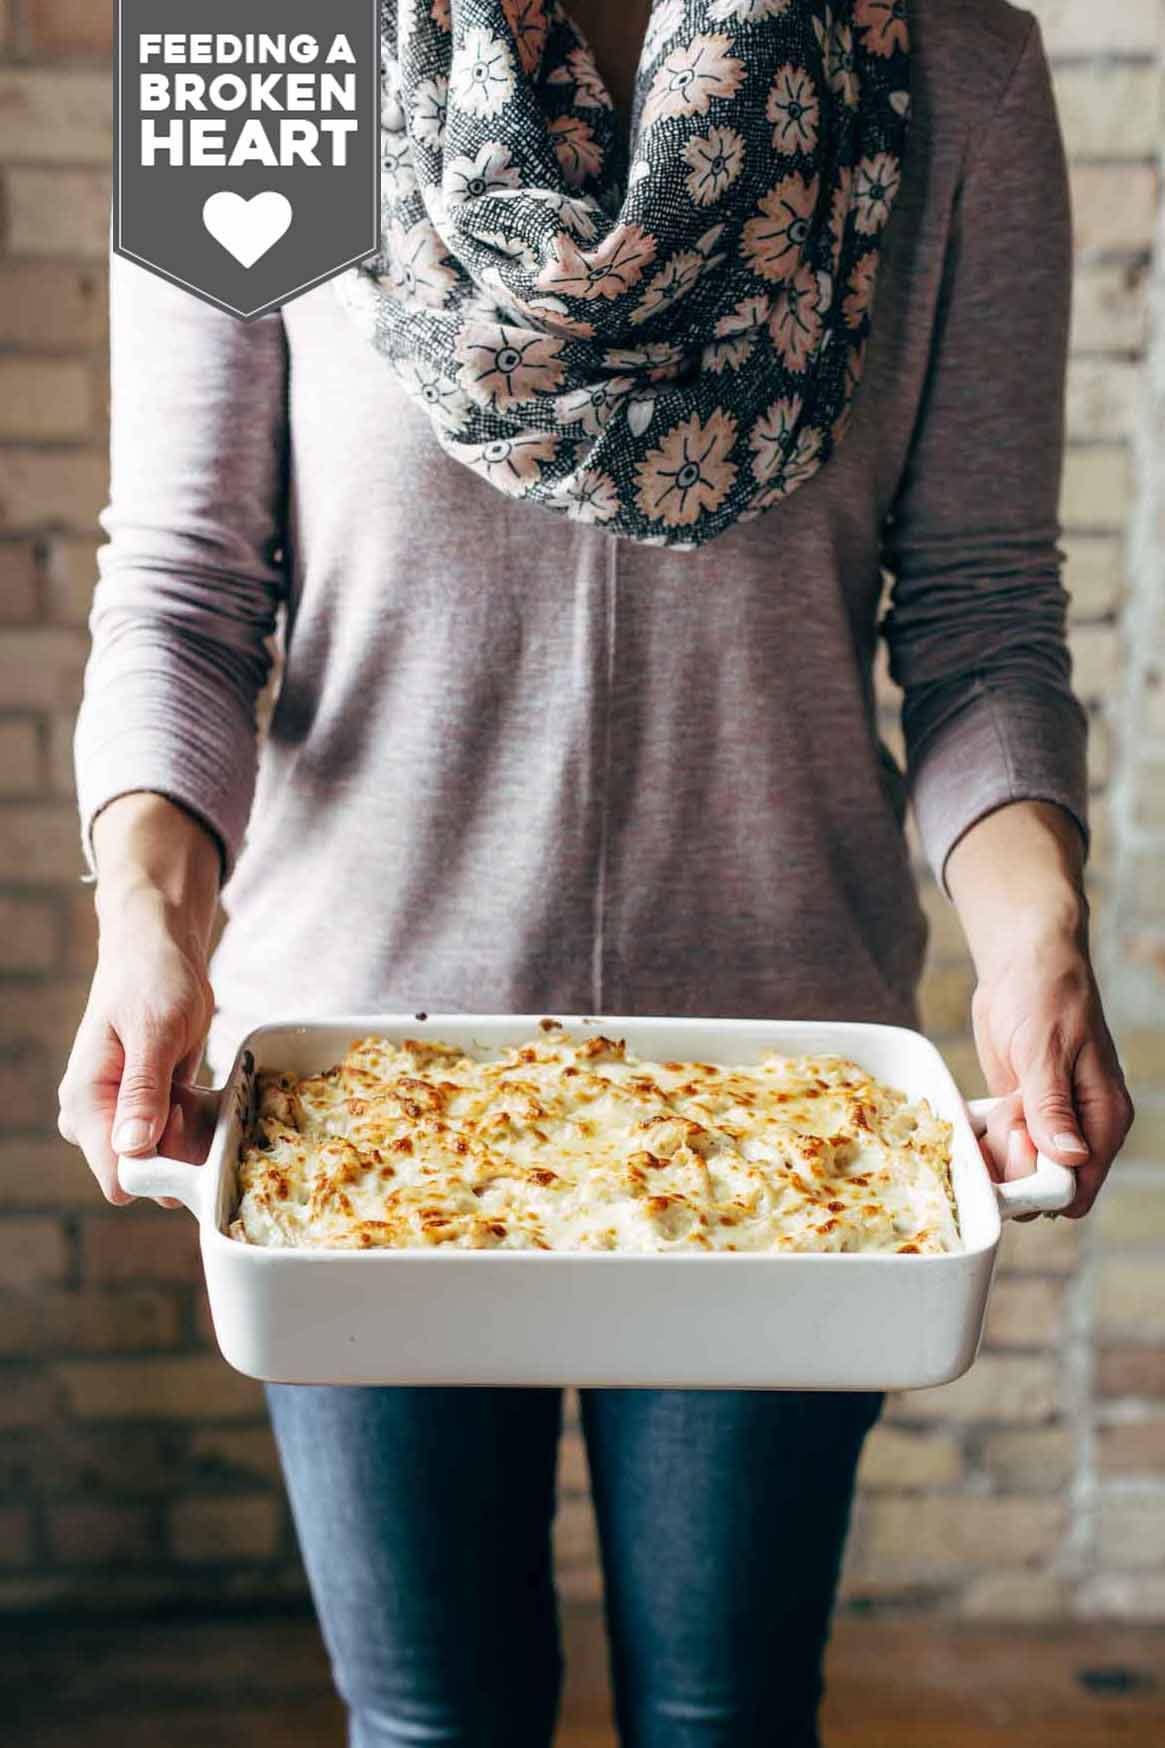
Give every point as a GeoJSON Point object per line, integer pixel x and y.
{"type": "Point", "coordinates": [712, 1320]}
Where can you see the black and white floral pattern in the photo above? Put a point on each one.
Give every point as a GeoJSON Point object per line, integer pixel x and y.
{"type": "Point", "coordinates": [659, 339]}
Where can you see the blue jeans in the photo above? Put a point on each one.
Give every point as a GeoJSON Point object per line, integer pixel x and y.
{"type": "Point", "coordinates": [424, 1518]}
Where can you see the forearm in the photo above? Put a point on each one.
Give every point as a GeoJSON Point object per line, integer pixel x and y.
{"type": "Point", "coordinates": [1017, 879]}
{"type": "Point", "coordinates": [152, 854]}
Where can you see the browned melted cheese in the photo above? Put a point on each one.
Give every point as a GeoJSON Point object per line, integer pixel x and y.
{"type": "Point", "coordinates": [558, 1144]}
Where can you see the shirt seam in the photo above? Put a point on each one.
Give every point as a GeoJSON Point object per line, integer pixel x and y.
{"type": "Point", "coordinates": [598, 944]}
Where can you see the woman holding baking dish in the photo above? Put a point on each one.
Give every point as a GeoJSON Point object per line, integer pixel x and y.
{"type": "Point", "coordinates": [578, 500]}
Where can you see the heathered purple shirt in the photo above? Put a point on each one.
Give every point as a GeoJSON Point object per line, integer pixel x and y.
{"type": "Point", "coordinates": [514, 764]}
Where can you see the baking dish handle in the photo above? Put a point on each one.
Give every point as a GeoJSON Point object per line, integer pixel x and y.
{"type": "Point", "coordinates": [1048, 1189]}
{"type": "Point", "coordinates": [156, 1174]}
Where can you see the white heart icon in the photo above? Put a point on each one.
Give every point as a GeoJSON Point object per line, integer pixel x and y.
{"type": "Point", "coordinates": [247, 228]}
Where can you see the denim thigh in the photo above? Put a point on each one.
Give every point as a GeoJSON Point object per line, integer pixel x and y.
{"type": "Point", "coordinates": [424, 1519]}
{"type": "Point", "coordinates": [722, 1517]}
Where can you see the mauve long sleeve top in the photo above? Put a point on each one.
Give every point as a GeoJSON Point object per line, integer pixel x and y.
{"type": "Point", "coordinates": [515, 764]}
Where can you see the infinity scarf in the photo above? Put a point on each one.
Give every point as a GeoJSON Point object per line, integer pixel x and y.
{"type": "Point", "coordinates": [659, 339]}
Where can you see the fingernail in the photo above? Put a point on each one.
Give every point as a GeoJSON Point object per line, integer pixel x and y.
{"type": "Point", "coordinates": [133, 1133]}
{"type": "Point", "coordinates": [1068, 1144]}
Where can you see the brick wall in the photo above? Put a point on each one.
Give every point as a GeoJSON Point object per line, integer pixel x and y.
{"type": "Point", "coordinates": [134, 1465]}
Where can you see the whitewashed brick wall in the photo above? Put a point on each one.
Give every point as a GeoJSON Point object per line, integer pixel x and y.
{"type": "Point", "coordinates": [134, 1465]}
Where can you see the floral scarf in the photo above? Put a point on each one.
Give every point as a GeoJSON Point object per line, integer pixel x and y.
{"type": "Point", "coordinates": [662, 339]}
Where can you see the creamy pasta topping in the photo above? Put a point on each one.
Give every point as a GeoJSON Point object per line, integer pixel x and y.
{"type": "Point", "coordinates": [577, 1144]}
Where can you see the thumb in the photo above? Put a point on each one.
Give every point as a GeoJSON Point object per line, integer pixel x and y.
{"type": "Point", "coordinates": [143, 1099]}
{"type": "Point", "coordinates": [1049, 1110]}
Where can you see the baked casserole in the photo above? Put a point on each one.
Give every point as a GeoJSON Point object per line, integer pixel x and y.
{"type": "Point", "coordinates": [578, 1145]}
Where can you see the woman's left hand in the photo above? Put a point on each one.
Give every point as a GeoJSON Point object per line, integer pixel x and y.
{"type": "Point", "coordinates": [1043, 1042]}
{"type": "Point", "coordinates": [1017, 880]}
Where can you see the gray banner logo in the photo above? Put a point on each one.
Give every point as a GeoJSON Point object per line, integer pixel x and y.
{"type": "Point", "coordinates": [247, 146]}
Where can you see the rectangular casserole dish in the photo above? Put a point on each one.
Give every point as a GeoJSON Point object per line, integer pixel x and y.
{"type": "Point", "coordinates": [865, 1321]}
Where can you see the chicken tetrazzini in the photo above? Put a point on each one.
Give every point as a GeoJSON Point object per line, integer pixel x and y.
{"type": "Point", "coordinates": [565, 1144]}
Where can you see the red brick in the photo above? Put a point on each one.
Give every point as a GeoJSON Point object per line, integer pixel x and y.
{"type": "Point", "coordinates": [179, 1387]}
{"type": "Point", "coordinates": [68, 28]}
{"type": "Point", "coordinates": [58, 213]}
{"type": "Point", "coordinates": [46, 305]}
{"type": "Point", "coordinates": [41, 668]}
{"type": "Point", "coordinates": [27, 1398]}
{"type": "Point", "coordinates": [210, 1530]}
{"type": "Point", "coordinates": [29, 1076]}
{"type": "Point", "coordinates": [905, 1539]}
{"type": "Point", "coordinates": [15, 1536]}
{"type": "Point", "coordinates": [21, 763]}
{"type": "Point", "coordinates": [45, 400]}
{"type": "Point", "coordinates": [70, 576]}
{"type": "Point", "coordinates": [30, 929]}
{"type": "Point", "coordinates": [39, 843]}
{"type": "Point", "coordinates": [55, 1320]}
{"type": "Point", "coordinates": [42, 490]}
{"type": "Point", "coordinates": [19, 601]}
{"type": "Point", "coordinates": [30, 1251]}
{"type": "Point", "coordinates": [38, 1172]}
{"type": "Point", "coordinates": [1131, 1371]}
{"type": "Point", "coordinates": [55, 116]}
{"type": "Point", "coordinates": [95, 1461]}
{"type": "Point", "coordinates": [126, 1245]}
{"type": "Point", "coordinates": [81, 931]}
{"type": "Point", "coordinates": [1135, 1447]}
{"type": "Point", "coordinates": [100, 1534]}
{"type": "Point", "coordinates": [1025, 1313]}
{"type": "Point", "coordinates": [235, 1454]}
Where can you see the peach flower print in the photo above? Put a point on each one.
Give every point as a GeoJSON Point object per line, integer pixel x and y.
{"type": "Point", "coordinates": [439, 13]}
{"type": "Point", "coordinates": [861, 284]}
{"type": "Point", "coordinates": [468, 178]}
{"type": "Point", "coordinates": [793, 110]}
{"type": "Point", "coordinates": [501, 366]}
{"type": "Point", "coordinates": [774, 241]}
{"type": "Point", "coordinates": [690, 474]}
{"type": "Point", "coordinates": [659, 360]}
{"type": "Point", "coordinates": [589, 497]}
{"type": "Point", "coordinates": [528, 23]}
{"type": "Point", "coordinates": [579, 70]}
{"type": "Point", "coordinates": [837, 41]}
{"type": "Point", "coordinates": [750, 313]}
{"type": "Point", "coordinates": [552, 313]}
{"type": "Point", "coordinates": [747, 11]}
{"type": "Point", "coordinates": [875, 188]}
{"type": "Point", "coordinates": [721, 355]}
{"type": "Point", "coordinates": [419, 270]}
{"type": "Point", "coordinates": [429, 385]}
{"type": "Point", "coordinates": [715, 159]}
{"type": "Point", "coordinates": [691, 77]}
{"type": "Point", "coordinates": [430, 100]}
{"type": "Point", "coordinates": [613, 268]}
{"type": "Point", "coordinates": [771, 438]}
{"type": "Point", "coordinates": [673, 281]}
{"type": "Point", "coordinates": [576, 148]}
{"type": "Point", "coordinates": [883, 24]}
{"type": "Point", "coordinates": [795, 324]}
{"type": "Point", "coordinates": [513, 464]}
{"type": "Point", "coordinates": [483, 73]}
{"type": "Point", "coordinates": [591, 407]}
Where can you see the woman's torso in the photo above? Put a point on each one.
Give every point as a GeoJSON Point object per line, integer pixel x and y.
{"type": "Point", "coordinates": [518, 765]}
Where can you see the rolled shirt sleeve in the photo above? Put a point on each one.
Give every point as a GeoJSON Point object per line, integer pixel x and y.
{"type": "Point", "coordinates": [977, 626]}
{"type": "Point", "coordinates": [193, 568]}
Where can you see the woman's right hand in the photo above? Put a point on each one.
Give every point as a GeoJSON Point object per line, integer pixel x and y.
{"type": "Point", "coordinates": [151, 1002]}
